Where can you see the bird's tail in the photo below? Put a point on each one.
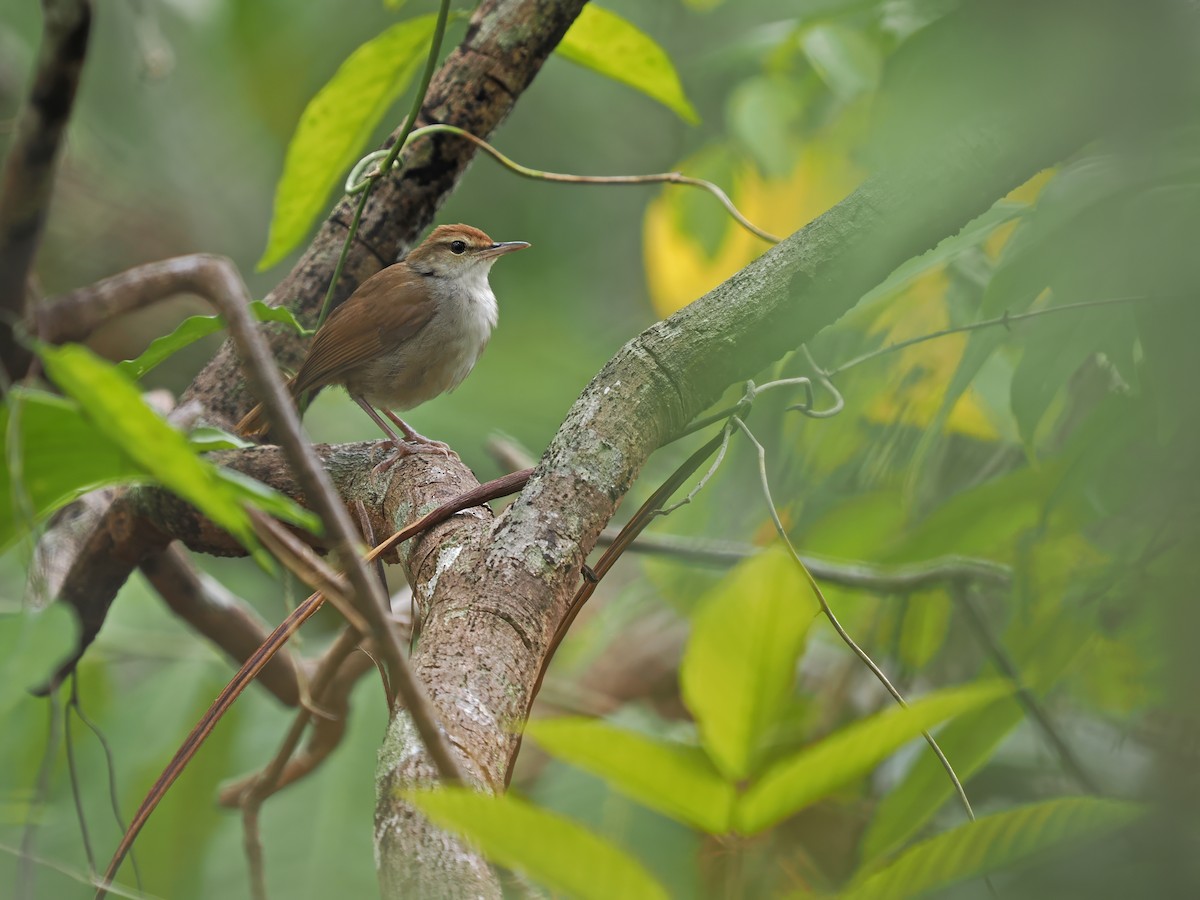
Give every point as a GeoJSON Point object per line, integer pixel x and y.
{"type": "Point", "coordinates": [254, 424]}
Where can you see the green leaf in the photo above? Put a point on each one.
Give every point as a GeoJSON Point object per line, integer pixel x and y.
{"type": "Point", "coordinates": [844, 58]}
{"type": "Point", "coordinates": [926, 623]}
{"type": "Point", "coordinates": [32, 645]}
{"type": "Point", "coordinates": [59, 455]}
{"type": "Point", "coordinates": [761, 113]}
{"type": "Point", "coordinates": [605, 43]}
{"type": "Point", "coordinates": [740, 663]}
{"type": "Point", "coordinates": [792, 784]}
{"type": "Point", "coordinates": [547, 847]}
{"type": "Point", "coordinates": [336, 123]}
{"type": "Point", "coordinates": [116, 409]}
{"type": "Point", "coordinates": [206, 439]}
{"type": "Point", "coordinates": [674, 779]}
{"type": "Point", "coordinates": [193, 329]}
{"type": "Point", "coordinates": [990, 844]}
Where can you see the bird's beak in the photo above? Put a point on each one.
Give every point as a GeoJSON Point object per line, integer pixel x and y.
{"type": "Point", "coordinates": [502, 248]}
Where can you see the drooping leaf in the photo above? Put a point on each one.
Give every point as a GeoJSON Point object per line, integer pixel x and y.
{"type": "Point", "coordinates": [336, 123]}
{"type": "Point", "coordinates": [547, 847]}
{"type": "Point", "coordinates": [991, 844]}
{"type": "Point", "coordinates": [740, 661]}
{"type": "Point", "coordinates": [793, 783]}
{"type": "Point", "coordinates": [845, 59]}
{"type": "Point", "coordinates": [59, 455]}
{"type": "Point", "coordinates": [608, 44]}
{"type": "Point", "coordinates": [115, 407]}
{"type": "Point", "coordinates": [193, 329]}
{"type": "Point", "coordinates": [674, 779]}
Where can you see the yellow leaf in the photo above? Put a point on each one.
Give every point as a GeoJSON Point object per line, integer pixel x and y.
{"type": "Point", "coordinates": [678, 270]}
{"type": "Point", "coordinates": [923, 370]}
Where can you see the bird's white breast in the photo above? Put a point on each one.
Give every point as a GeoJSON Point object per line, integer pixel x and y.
{"type": "Point", "coordinates": [438, 358]}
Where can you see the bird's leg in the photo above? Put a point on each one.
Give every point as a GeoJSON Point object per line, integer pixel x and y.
{"type": "Point", "coordinates": [415, 436]}
{"type": "Point", "coordinates": [416, 443]}
{"type": "Point", "coordinates": [402, 447]}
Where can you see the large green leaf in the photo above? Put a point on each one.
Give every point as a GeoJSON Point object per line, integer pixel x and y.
{"type": "Point", "coordinates": [336, 123]}
{"type": "Point", "coordinates": [674, 779]}
{"type": "Point", "coordinates": [849, 754]}
{"type": "Point", "coordinates": [990, 844]}
{"type": "Point", "coordinates": [115, 408]}
{"type": "Point", "coordinates": [53, 454]}
{"type": "Point", "coordinates": [605, 43]}
{"type": "Point", "coordinates": [193, 328]}
{"type": "Point", "coordinates": [547, 847]}
{"type": "Point", "coordinates": [740, 662]}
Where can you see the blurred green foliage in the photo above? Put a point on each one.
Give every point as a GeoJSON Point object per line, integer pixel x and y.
{"type": "Point", "coordinates": [1062, 446]}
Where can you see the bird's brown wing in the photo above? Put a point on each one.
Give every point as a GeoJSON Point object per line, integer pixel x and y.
{"type": "Point", "coordinates": [388, 301]}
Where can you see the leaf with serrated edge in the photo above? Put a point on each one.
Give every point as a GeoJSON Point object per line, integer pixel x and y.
{"type": "Point", "coordinates": [740, 662]}
{"type": "Point", "coordinates": [336, 123]}
{"type": "Point", "coordinates": [605, 43]}
{"type": "Point", "coordinates": [674, 779]}
{"type": "Point", "coordinates": [989, 844]}
{"type": "Point", "coordinates": [547, 847]}
{"type": "Point", "coordinates": [818, 770]}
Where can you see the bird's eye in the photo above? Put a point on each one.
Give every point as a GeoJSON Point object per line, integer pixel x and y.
{"type": "Point", "coordinates": [458, 246]}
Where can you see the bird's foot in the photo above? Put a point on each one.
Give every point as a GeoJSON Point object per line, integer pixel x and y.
{"type": "Point", "coordinates": [401, 449]}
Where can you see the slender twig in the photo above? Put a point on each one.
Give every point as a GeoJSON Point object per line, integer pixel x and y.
{"type": "Point", "coordinates": [391, 155]}
{"type": "Point", "coordinates": [111, 770]}
{"type": "Point", "coordinates": [76, 795]}
{"type": "Point", "coordinates": [277, 774]}
{"type": "Point", "coordinates": [964, 599]}
{"type": "Point", "coordinates": [289, 626]}
{"type": "Point", "coordinates": [41, 790]}
{"type": "Point", "coordinates": [299, 559]}
{"type": "Point", "coordinates": [1005, 320]}
{"type": "Point", "coordinates": [764, 483]}
{"type": "Point", "coordinates": [844, 573]}
{"type": "Point", "coordinates": [356, 178]}
{"type": "Point", "coordinates": [74, 875]}
{"type": "Point", "coordinates": [753, 390]}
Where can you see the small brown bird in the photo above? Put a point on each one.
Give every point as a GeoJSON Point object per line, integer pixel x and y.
{"type": "Point", "coordinates": [408, 333]}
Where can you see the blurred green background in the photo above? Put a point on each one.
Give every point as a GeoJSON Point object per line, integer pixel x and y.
{"type": "Point", "coordinates": [1067, 454]}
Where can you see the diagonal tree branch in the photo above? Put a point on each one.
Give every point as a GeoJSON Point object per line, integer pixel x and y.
{"type": "Point", "coordinates": [28, 174]}
{"type": "Point", "coordinates": [509, 588]}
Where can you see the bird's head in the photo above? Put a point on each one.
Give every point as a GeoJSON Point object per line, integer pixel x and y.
{"type": "Point", "coordinates": [459, 251]}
